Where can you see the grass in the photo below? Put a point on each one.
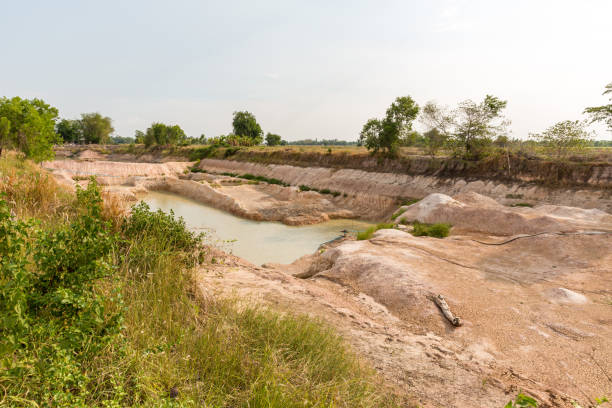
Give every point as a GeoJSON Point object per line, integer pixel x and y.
{"type": "Point", "coordinates": [439, 230]}
{"type": "Point", "coordinates": [175, 348]}
{"type": "Point", "coordinates": [367, 234]}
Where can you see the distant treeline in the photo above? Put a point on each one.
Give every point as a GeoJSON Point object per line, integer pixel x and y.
{"type": "Point", "coordinates": [322, 142]}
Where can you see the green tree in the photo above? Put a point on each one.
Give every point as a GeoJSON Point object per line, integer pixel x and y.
{"type": "Point", "coordinates": [29, 126]}
{"type": "Point", "coordinates": [139, 136]}
{"type": "Point", "coordinates": [434, 141]}
{"type": "Point", "coordinates": [385, 134]}
{"type": "Point", "coordinates": [96, 128]}
{"type": "Point", "coordinates": [70, 131]}
{"type": "Point", "coordinates": [564, 137]}
{"type": "Point", "coordinates": [245, 124]}
{"type": "Point", "coordinates": [273, 139]}
{"type": "Point", "coordinates": [5, 133]}
{"type": "Point", "coordinates": [471, 128]}
{"type": "Point", "coordinates": [602, 113]}
{"type": "Point", "coordinates": [478, 124]}
{"type": "Point", "coordinates": [162, 134]}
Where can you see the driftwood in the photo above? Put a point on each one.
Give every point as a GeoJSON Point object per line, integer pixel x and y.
{"type": "Point", "coordinates": [439, 300]}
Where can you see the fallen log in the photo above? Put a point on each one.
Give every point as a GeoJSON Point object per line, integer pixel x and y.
{"type": "Point", "coordinates": [441, 302]}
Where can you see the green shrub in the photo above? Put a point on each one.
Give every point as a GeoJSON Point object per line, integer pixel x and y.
{"type": "Point", "coordinates": [439, 230]}
{"type": "Point", "coordinates": [54, 322]}
{"type": "Point", "coordinates": [264, 179]}
{"type": "Point", "coordinates": [230, 151]}
{"type": "Point", "coordinates": [522, 205]}
{"type": "Point", "coordinates": [522, 401]}
{"type": "Point", "coordinates": [367, 234]}
{"type": "Point", "coordinates": [304, 188]}
{"type": "Point", "coordinates": [202, 152]}
{"type": "Point", "coordinates": [396, 214]}
{"type": "Point", "coordinates": [325, 191]}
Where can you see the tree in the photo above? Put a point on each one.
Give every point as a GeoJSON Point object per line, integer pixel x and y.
{"type": "Point", "coordinates": [602, 113]}
{"type": "Point", "coordinates": [245, 124]}
{"type": "Point", "coordinates": [437, 117]}
{"type": "Point", "coordinates": [564, 137]}
{"type": "Point", "coordinates": [29, 126]}
{"type": "Point", "coordinates": [385, 134]}
{"type": "Point", "coordinates": [434, 141]}
{"type": "Point", "coordinates": [162, 134]}
{"type": "Point", "coordinates": [70, 131]}
{"type": "Point", "coordinates": [470, 128]}
{"type": "Point", "coordinates": [139, 136]}
{"type": "Point", "coordinates": [273, 139]}
{"type": "Point", "coordinates": [96, 128]}
{"type": "Point", "coordinates": [478, 124]}
{"type": "Point", "coordinates": [5, 133]}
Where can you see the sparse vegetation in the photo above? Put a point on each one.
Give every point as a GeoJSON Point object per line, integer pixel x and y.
{"type": "Point", "coordinates": [367, 234]}
{"type": "Point", "coordinates": [522, 401]}
{"type": "Point", "coordinates": [522, 205]}
{"type": "Point", "coordinates": [438, 230]}
{"type": "Point", "coordinates": [408, 201]}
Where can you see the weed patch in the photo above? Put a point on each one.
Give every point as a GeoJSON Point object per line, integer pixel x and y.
{"type": "Point", "coordinates": [367, 234]}
{"type": "Point", "coordinates": [439, 230]}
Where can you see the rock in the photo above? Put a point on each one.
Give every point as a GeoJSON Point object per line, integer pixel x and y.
{"type": "Point", "coordinates": [563, 295]}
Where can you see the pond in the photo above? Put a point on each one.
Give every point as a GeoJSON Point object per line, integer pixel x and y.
{"type": "Point", "coordinates": [256, 241]}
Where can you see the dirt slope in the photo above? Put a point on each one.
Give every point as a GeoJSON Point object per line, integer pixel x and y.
{"type": "Point", "coordinates": [400, 185]}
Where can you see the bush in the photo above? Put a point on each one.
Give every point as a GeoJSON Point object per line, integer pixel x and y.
{"type": "Point", "coordinates": [367, 234]}
{"type": "Point", "coordinates": [304, 188]}
{"type": "Point", "coordinates": [439, 230]}
{"type": "Point", "coordinates": [202, 152]}
{"type": "Point", "coordinates": [522, 205]}
{"type": "Point", "coordinates": [54, 323]}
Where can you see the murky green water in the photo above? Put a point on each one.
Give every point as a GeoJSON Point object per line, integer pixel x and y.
{"type": "Point", "coordinates": [257, 242]}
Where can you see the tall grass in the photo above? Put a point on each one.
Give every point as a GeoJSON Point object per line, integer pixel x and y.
{"type": "Point", "coordinates": [32, 192]}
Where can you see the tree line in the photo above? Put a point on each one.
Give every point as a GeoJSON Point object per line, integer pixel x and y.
{"type": "Point", "coordinates": [469, 130]}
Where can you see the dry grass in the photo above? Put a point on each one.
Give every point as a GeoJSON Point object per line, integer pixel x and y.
{"type": "Point", "coordinates": [32, 192]}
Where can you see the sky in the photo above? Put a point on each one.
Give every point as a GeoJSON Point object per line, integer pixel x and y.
{"type": "Point", "coordinates": [306, 69]}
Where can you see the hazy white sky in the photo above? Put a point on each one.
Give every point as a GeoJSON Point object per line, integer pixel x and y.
{"type": "Point", "coordinates": [307, 69]}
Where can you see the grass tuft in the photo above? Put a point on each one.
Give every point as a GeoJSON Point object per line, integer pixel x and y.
{"type": "Point", "coordinates": [367, 234]}
{"type": "Point", "coordinates": [439, 230]}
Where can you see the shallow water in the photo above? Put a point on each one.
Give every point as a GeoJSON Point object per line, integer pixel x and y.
{"type": "Point", "coordinates": [256, 241]}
